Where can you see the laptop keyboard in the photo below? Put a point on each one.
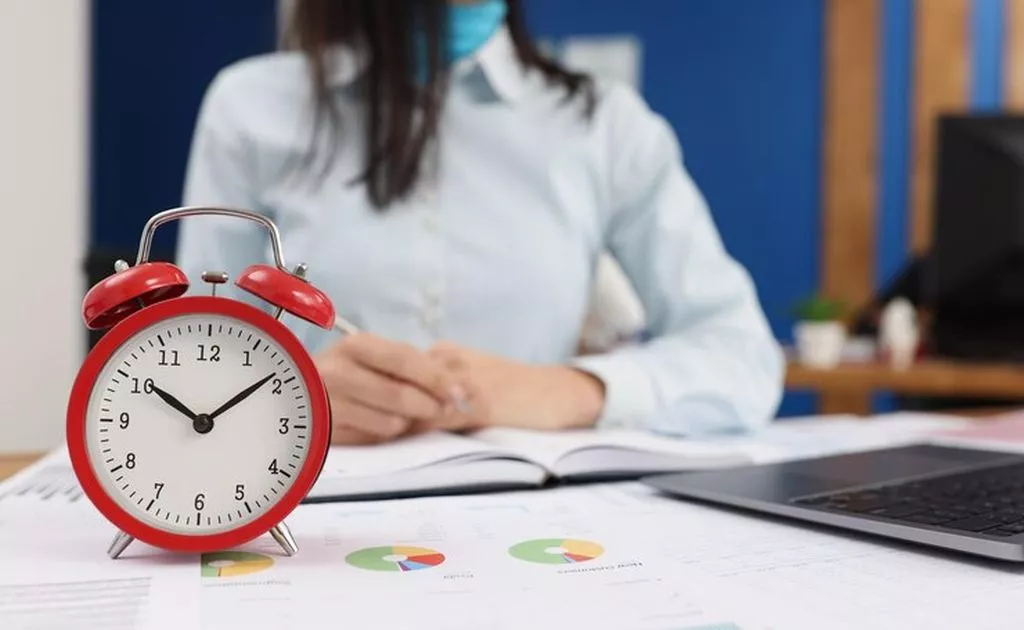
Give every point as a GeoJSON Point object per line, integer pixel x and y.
{"type": "Point", "coordinates": [989, 501]}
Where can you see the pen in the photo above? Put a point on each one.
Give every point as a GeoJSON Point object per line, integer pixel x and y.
{"type": "Point", "coordinates": [347, 328]}
{"type": "Point", "coordinates": [344, 326]}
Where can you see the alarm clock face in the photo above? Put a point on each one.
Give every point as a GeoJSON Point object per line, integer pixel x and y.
{"type": "Point", "coordinates": [198, 424]}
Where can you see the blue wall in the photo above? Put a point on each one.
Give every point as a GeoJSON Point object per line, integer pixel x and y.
{"type": "Point", "coordinates": [894, 159]}
{"type": "Point", "coordinates": [987, 34]}
{"type": "Point", "coordinates": [151, 63]}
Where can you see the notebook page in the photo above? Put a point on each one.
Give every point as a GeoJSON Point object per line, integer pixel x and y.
{"type": "Point", "coordinates": [417, 451]}
{"type": "Point", "coordinates": [547, 448]}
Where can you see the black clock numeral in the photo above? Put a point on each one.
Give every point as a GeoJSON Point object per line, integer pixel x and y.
{"type": "Point", "coordinates": [284, 428]}
{"type": "Point", "coordinates": [277, 387]}
{"type": "Point", "coordinates": [159, 487]}
{"type": "Point", "coordinates": [273, 467]}
{"type": "Point", "coordinates": [124, 419]}
{"type": "Point", "coordinates": [147, 386]}
{"type": "Point", "coordinates": [213, 354]}
{"type": "Point", "coordinates": [129, 461]}
{"type": "Point", "coordinates": [240, 492]}
{"type": "Point", "coordinates": [174, 358]}
{"type": "Point", "coordinates": [248, 359]}
{"type": "Point", "coordinates": [200, 502]}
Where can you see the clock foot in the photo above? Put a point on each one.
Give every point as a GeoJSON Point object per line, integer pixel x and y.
{"type": "Point", "coordinates": [119, 544]}
{"type": "Point", "coordinates": [284, 537]}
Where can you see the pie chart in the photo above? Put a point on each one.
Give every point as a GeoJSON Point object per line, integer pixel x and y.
{"type": "Point", "coordinates": [234, 563]}
{"type": "Point", "coordinates": [556, 550]}
{"type": "Point", "coordinates": [399, 558]}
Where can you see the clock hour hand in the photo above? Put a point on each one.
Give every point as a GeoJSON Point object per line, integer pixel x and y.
{"type": "Point", "coordinates": [175, 403]}
{"type": "Point", "coordinates": [242, 395]}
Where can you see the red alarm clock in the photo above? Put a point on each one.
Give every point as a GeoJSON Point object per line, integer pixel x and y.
{"type": "Point", "coordinates": [198, 423]}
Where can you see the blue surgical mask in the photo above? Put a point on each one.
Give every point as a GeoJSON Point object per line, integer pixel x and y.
{"type": "Point", "coordinates": [470, 26]}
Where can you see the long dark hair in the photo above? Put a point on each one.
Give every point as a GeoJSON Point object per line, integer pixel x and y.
{"type": "Point", "coordinates": [404, 108]}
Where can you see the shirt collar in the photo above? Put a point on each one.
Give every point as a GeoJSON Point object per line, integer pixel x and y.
{"type": "Point", "coordinates": [497, 60]}
{"type": "Point", "coordinates": [499, 63]}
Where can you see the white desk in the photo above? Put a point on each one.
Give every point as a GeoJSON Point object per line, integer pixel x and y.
{"type": "Point", "coordinates": [663, 564]}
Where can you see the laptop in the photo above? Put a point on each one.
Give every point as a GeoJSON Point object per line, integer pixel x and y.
{"type": "Point", "coordinates": [954, 498]}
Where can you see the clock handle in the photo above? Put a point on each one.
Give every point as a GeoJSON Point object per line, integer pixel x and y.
{"type": "Point", "coordinates": [176, 214]}
{"type": "Point", "coordinates": [133, 288]}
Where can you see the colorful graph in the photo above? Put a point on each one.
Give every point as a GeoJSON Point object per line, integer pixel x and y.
{"type": "Point", "coordinates": [395, 558]}
{"type": "Point", "coordinates": [222, 564]}
{"type": "Point", "coordinates": [556, 550]}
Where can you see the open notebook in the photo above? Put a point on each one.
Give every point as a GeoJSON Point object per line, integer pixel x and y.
{"type": "Point", "coordinates": [494, 459]}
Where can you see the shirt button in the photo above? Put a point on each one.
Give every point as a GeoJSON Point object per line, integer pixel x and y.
{"type": "Point", "coordinates": [427, 194]}
{"type": "Point", "coordinates": [430, 319]}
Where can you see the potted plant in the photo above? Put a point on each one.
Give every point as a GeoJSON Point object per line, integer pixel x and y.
{"type": "Point", "coordinates": [819, 333]}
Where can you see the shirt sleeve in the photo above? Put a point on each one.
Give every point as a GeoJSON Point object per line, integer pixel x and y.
{"type": "Point", "coordinates": [711, 363]}
{"type": "Point", "coordinates": [221, 173]}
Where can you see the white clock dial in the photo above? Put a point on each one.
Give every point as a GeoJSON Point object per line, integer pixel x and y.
{"type": "Point", "coordinates": [198, 424]}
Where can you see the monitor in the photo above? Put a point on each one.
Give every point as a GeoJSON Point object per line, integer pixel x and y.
{"type": "Point", "coordinates": [976, 279]}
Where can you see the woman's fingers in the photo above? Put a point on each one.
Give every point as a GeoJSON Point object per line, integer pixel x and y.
{"type": "Point", "coordinates": [405, 363]}
{"type": "Point", "coordinates": [381, 390]}
{"type": "Point", "coordinates": [370, 406]}
{"type": "Point", "coordinates": [347, 436]}
{"type": "Point", "coordinates": [385, 394]}
{"type": "Point", "coordinates": [352, 416]}
{"type": "Point", "coordinates": [348, 372]}
{"type": "Point", "coordinates": [343, 435]}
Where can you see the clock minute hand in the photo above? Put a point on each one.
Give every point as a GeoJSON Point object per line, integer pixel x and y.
{"type": "Point", "coordinates": [242, 395]}
{"type": "Point", "coordinates": [175, 403]}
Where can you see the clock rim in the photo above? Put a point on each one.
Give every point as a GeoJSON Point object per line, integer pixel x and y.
{"type": "Point", "coordinates": [101, 354]}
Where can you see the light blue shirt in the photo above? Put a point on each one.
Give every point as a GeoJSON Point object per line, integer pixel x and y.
{"type": "Point", "coordinates": [497, 248]}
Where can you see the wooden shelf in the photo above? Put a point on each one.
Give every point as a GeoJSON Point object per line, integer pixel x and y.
{"type": "Point", "coordinates": [926, 378]}
{"type": "Point", "coordinates": [848, 388]}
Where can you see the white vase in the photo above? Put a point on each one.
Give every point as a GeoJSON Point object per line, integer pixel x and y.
{"type": "Point", "coordinates": [819, 345]}
{"type": "Point", "coordinates": [898, 333]}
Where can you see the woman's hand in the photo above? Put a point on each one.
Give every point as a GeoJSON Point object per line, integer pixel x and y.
{"type": "Point", "coordinates": [382, 389]}
{"type": "Point", "coordinates": [506, 393]}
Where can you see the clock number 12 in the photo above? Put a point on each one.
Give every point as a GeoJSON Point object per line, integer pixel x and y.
{"type": "Point", "coordinates": [212, 355]}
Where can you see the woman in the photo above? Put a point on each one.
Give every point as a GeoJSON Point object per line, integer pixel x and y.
{"type": "Point", "coordinates": [452, 190]}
